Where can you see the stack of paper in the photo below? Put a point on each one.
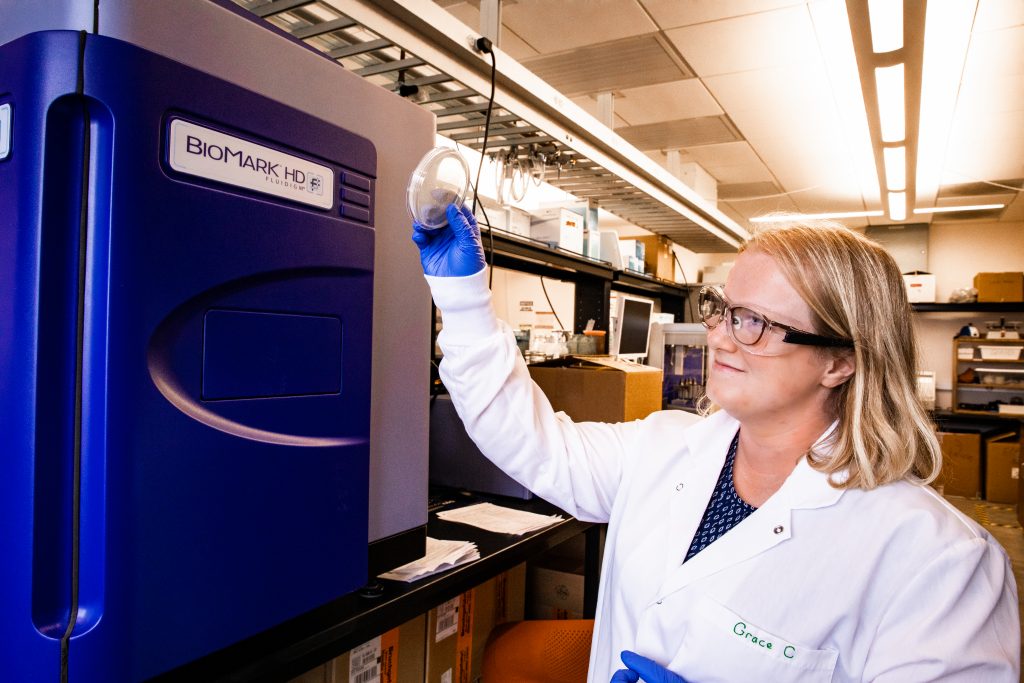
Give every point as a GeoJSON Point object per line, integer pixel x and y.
{"type": "Point", "coordinates": [496, 518]}
{"type": "Point", "coordinates": [441, 555]}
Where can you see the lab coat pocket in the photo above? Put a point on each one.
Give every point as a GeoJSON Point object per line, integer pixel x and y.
{"type": "Point", "coordinates": [720, 645]}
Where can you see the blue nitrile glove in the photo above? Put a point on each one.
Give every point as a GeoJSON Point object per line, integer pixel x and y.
{"type": "Point", "coordinates": [453, 250]}
{"type": "Point", "coordinates": [643, 669]}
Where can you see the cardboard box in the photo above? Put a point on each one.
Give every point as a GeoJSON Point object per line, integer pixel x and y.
{"type": "Point", "coordinates": [926, 388]}
{"type": "Point", "coordinates": [393, 657]}
{"type": "Point", "coordinates": [457, 630]}
{"type": "Point", "coordinates": [564, 230]}
{"type": "Point", "coordinates": [658, 256]}
{"type": "Point", "coordinates": [610, 251]}
{"type": "Point", "coordinates": [554, 589]}
{"type": "Point", "coordinates": [961, 465]}
{"type": "Point", "coordinates": [999, 286]}
{"type": "Point", "coordinates": [1002, 468]}
{"type": "Point", "coordinates": [518, 221]}
{"type": "Point", "coordinates": [920, 287]}
{"type": "Point", "coordinates": [632, 252]}
{"type": "Point", "coordinates": [599, 388]}
{"type": "Point", "coordinates": [320, 674]}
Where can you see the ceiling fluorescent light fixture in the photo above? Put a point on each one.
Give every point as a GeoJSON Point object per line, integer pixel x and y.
{"type": "Point", "coordinates": [886, 24]}
{"type": "Point", "coordinates": [832, 29]}
{"type": "Point", "coordinates": [898, 206]}
{"type": "Point", "coordinates": [951, 209]}
{"type": "Point", "coordinates": [895, 159]}
{"type": "Point", "coordinates": [789, 217]}
{"type": "Point", "coordinates": [947, 36]}
{"type": "Point", "coordinates": [891, 111]}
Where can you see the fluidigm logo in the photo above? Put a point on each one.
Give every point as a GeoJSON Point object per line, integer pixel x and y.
{"type": "Point", "coordinates": [207, 153]}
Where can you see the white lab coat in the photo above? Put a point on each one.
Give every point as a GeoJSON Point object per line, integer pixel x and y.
{"type": "Point", "coordinates": [818, 584]}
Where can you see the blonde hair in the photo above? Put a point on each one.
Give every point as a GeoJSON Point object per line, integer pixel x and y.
{"type": "Point", "coordinates": [855, 290]}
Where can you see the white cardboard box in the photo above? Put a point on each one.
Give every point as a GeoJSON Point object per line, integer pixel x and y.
{"type": "Point", "coordinates": [564, 231]}
{"type": "Point", "coordinates": [554, 593]}
{"type": "Point", "coordinates": [920, 287]}
{"type": "Point", "coordinates": [610, 249]}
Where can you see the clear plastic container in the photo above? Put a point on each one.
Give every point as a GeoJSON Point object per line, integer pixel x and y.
{"type": "Point", "coordinates": [440, 179]}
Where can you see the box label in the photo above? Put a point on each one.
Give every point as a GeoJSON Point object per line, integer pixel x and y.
{"type": "Point", "coordinates": [389, 657]}
{"type": "Point", "coordinates": [5, 130]}
{"type": "Point", "coordinates": [464, 641]}
{"type": "Point", "coordinates": [364, 662]}
{"type": "Point", "coordinates": [447, 620]}
{"type": "Point", "coordinates": [207, 153]}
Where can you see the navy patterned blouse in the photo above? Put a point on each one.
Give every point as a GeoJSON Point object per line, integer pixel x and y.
{"type": "Point", "coordinates": [725, 509]}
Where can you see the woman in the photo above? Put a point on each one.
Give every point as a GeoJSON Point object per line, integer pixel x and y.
{"type": "Point", "coordinates": [789, 536]}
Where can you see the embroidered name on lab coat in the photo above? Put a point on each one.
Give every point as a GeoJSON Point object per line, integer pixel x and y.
{"type": "Point", "coordinates": [743, 631]}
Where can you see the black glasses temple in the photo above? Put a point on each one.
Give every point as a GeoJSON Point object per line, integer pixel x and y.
{"type": "Point", "coordinates": [808, 339]}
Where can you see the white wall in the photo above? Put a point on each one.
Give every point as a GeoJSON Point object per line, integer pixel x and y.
{"type": "Point", "coordinates": [519, 296]}
{"type": "Point", "coordinates": [956, 251]}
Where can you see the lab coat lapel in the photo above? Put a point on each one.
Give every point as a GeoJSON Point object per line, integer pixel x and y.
{"type": "Point", "coordinates": [767, 527]}
{"type": "Point", "coordinates": [707, 444]}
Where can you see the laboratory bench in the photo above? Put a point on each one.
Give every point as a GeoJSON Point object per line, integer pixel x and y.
{"type": "Point", "coordinates": [298, 645]}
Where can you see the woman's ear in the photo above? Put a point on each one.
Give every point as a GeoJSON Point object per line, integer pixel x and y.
{"type": "Point", "coordinates": [839, 368]}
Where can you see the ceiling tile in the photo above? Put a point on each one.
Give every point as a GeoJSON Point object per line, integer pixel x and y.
{"type": "Point", "coordinates": [755, 41]}
{"type": "Point", "coordinates": [734, 214]}
{"type": "Point", "coordinates": [619, 64]}
{"type": "Point", "coordinates": [514, 46]}
{"type": "Point", "coordinates": [707, 130]}
{"type": "Point", "coordinates": [981, 190]}
{"type": "Point", "coordinates": [589, 105]}
{"type": "Point", "coordinates": [799, 166]}
{"type": "Point", "coordinates": [673, 13]}
{"type": "Point", "coordinates": [685, 99]}
{"type": "Point", "coordinates": [726, 154]}
{"type": "Point", "coordinates": [567, 24]}
{"type": "Point", "coordinates": [826, 200]}
{"type": "Point", "coordinates": [510, 43]}
{"type": "Point", "coordinates": [984, 147]}
{"type": "Point", "coordinates": [662, 158]}
{"type": "Point", "coordinates": [743, 174]}
{"type": "Point", "coordinates": [995, 53]}
{"type": "Point", "coordinates": [997, 94]}
{"type": "Point", "coordinates": [746, 190]}
{"type": "Point", "coordinates": [782, 101]}
{"type": "Point", "coordinates": [762, 207]}
{"type": "Point", "coordinates": [995, 14]}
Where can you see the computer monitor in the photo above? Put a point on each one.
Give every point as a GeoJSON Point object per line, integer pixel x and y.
{"type": "Point", "coordinates": [632, 328]}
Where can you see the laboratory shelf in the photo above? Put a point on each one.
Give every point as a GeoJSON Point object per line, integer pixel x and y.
{"type": "Point", "coordinates": [976, 307]}
{"type": "Point", "coordinates": [297, 646]}
{"type": "Point", "coordinates": [646, 285]}
{"type": "Point", "coordinates": [418, 50]}
{"type": "Point", "coordinates": [529, 255]}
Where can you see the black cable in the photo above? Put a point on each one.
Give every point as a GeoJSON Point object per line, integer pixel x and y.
{"type": "Point", "coordinates": [484, 45]}
{"type": "Point", "coordinates": [686, 284]}
{"type": "Point", "coordinates": [490, 235]}
{"type": "Point", "coordinates": [560, 325]}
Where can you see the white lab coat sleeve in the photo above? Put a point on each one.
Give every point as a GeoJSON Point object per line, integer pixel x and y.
{"type": "Point", "coordinates": [956, 621]}
{"type": "Point", "coordinates": [576, 466]}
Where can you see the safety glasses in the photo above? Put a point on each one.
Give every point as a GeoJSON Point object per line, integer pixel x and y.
{"type": "Point", "coordinates": [751, 329]}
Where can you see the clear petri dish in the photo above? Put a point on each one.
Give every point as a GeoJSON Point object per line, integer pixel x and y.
{"type": "Point", "coordinates": [440, 179]}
